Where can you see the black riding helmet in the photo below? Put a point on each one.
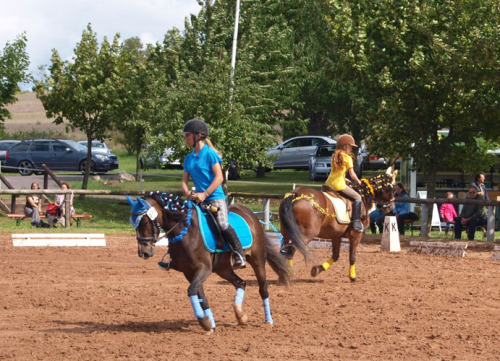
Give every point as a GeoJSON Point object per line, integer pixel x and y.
{"type": "Point", "coordinates": [196, 126]}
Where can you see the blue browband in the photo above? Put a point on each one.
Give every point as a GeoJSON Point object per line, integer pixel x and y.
{"type": "Point", "coordinates": [141, 208]}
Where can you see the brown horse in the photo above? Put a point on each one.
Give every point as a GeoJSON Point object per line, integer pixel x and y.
{"type": "Point", "coordinates": [188, 254]}
{"type": "Point", "coordinates": [307, 213]}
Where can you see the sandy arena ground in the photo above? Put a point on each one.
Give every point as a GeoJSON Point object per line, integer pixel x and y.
{"type": "Point", "coordinates": [105, 303]}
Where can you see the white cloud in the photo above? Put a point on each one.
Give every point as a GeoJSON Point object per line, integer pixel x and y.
{"type": "Point", "coordinates": [58, 24]}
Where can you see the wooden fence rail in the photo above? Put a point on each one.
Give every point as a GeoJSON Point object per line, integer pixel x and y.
{"type": "Point", "coordinates": [425, 203]}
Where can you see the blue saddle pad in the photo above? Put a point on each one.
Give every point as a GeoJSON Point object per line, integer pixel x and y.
{"type": "Point", "coordinates": [210, 239]}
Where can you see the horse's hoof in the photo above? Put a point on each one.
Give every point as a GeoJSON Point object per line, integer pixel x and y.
{"type": "Point", "coordinates": [283, 281]}
{"type": "Point", "coordinates": [243, 320]}
{"type": "Point", "coordinates": [269, 325]}
{"type": "Point", "coordinates": [353, 279]}
{"type": "Point", "coordinates": [205, 323]}
{"type": "Point", "coordinates": [210, 332]}
{"type": "Point", "coordinates": [240, 315]}
{"type": "Point", "coordinates": [316, 270]}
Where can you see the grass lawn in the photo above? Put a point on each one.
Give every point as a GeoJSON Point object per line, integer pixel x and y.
{"type": "Point", "coordinates": [111, 215]}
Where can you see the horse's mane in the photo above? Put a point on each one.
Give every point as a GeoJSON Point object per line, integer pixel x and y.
{"type": "Point", "coordinates": [175, 206]}
{"type": "Point", "coordinates": [369, 188]}
{"type": "Point", "coordinates": [380, 181]}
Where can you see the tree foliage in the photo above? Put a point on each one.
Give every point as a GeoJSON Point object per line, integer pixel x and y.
{"type": "Point", "coordinates": [81, 93]}
{"type": "Point", "coordinates": [424, 66]}
{"type": "Point", "coordinates": [241, 128]}
{"type": "Point", "coordinates": [144, 95]}
{"type": "Point", "coordinates": [14, 62]}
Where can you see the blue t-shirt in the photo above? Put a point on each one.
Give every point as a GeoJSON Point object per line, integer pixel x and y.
{"type": "Point", "coordinates": [402, 207]}
{"type": "Point", "coordinates": [199, 168]}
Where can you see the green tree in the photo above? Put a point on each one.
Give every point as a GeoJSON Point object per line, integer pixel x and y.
{"type": "Point", "coordinates": [144, 95]}
{"type": "Point", "coordinates": [81, 92]}
{"type": "Point", "coordinates": [262, 91]}
{"type": "Point", "coordinates": [423, 66]}
{"type": "Point", "coordinates": [14, 62]}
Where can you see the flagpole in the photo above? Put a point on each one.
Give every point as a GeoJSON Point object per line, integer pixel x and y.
{"type": "Point", "coordinates": [233, 56]}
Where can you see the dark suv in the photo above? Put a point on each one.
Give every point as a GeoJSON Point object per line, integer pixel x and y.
{"type": "Point", "coordinates": [28, 156]}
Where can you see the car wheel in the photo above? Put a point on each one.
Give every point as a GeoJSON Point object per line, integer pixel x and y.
{"type": "Point", "coordinates": [312, 175]}
{"type": "Point", "coordinates": [25, 167]}
{"type": "Point", "coordinates": [82, 167]}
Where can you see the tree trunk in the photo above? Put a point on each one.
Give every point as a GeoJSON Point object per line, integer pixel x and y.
{"type": "Point", "coordinates": [260, 172]}
{"type": "Point", "coordinates": [85, 181]}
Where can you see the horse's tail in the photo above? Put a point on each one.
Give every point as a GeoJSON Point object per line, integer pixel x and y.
{"type": "Point", "coordinates": [291, 227]}
{"type": "Point", "coordinates": [278, 263]}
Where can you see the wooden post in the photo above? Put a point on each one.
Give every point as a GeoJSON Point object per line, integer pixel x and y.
{"type": "Point", "coordinates": [490, 233]}
{"type": "Point", "coordinates": [45, 178]}
{"type": "Point", "coordinates": [424, 216]}
{"type": "Point", "coordinates": [266, 208]}
{"type": "Point", "coordinates": [13, 197]}
{"type": "Point", "coordinates": [13, 204]}
{"type": "Point", "coordinates": [67, 212]}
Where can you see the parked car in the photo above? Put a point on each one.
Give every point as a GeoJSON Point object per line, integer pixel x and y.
{"type": "Point", "coordinates": [97, 146]}
{"type": "Point", "coordinates": [295, 152]}
{"type": "Point", "coordinates": [28, 156]}
{"type": "Point", "coordinates": [320, 162]}
{"type": "Point", "coordinates": [7, 144]}
{"type": "Point", "coordinates": [161, 161]}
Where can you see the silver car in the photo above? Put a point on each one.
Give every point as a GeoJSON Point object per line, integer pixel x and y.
{"type": "Point", "coordinates": [97, 146]}
{"type": "Point", "coordinates": [295, 152]}
{"type": "Point", "coordinates": [320, 162]}
{"type": "Point", "coordinates": [160, 160]}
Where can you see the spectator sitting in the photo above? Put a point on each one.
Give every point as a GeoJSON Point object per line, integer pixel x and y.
{"type": "Point", "coordinates": [448, 212]}
{"type": "Point", "coordinates": [33, 208]}
{"type": "Point", "coordinates": [472, 216]}
{"type": "Point", "coordinates": [401, 210]}
{"type": "Point", "coordinates": [60, 201]}
{"type": "Point", "coordinates": [373, 217]}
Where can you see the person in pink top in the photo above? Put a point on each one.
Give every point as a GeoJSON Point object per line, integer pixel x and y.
{"type": "Point", "coordinates": [448, 212]}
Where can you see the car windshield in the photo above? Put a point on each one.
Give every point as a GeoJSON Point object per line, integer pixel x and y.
{"type": "Point", "coordinates": [325, 151]}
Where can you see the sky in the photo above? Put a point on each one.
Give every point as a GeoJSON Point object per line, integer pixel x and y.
{"type": "Point", "coordinates": [58, 24]}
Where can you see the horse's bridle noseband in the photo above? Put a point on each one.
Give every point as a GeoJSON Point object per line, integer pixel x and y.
{"type": "Point", "coordinates": [152, 215]}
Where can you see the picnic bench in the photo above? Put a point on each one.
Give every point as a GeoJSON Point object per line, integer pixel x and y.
{"type": "Point", "coordinates": [19, 217]}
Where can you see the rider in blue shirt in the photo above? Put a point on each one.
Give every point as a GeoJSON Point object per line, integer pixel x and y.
{"type": "Point", "coordinates": [203, 166]}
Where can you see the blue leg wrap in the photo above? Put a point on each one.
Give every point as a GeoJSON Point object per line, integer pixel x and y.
{"type": "Point", "coordinates": [210, 315]}
{"type": "Point", "coordinates": [195, 303]}
{"type": "Point", "coordinates": [238, 299]}
{"type": "Point", "coordinates": [267, 311]}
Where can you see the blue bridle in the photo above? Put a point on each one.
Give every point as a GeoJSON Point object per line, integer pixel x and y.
{"type": "Point", "coordinates": [141, 208]}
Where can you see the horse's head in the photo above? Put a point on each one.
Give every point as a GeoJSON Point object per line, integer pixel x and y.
{"type": "Point", "coordinates": [146, 218]}
{"type": "Point", "coordinates": [379, 188]}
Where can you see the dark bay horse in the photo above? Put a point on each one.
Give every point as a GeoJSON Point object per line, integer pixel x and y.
{"type": "Point", "coordinates": [156, 212]}
{"type": "Point", "coordinates": [306, 213]}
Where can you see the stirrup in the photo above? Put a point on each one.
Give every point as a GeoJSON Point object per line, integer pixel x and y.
{"type": "Point", "coordinates": [164, 265]}
{"type": "Point", "coordinates": [238, 261]}
{"type": "Point", "coordinates": [358, 230]}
